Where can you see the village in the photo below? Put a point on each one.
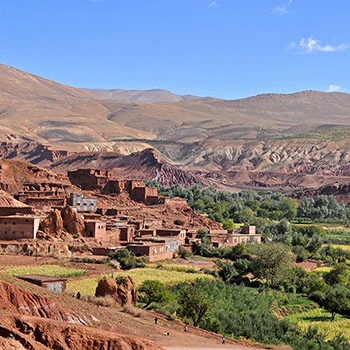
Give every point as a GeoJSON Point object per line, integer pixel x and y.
{"type": "Point", "coordinates": [106, 214]}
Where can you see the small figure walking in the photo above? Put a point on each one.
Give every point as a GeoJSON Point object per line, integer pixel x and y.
{"type": "Point", "coordinates": [78, 295]}
{"type": "Point", "coordinates": [156, 320]}
{"type": "Point", "coordinates": [186, 328]}
{"type": "Point", "coordinates": [223, 339]}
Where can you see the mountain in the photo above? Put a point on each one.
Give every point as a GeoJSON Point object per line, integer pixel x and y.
{"type": "Point", "coordinates": [272, 140]}
{"type": "Point", "coordinates": [154, 95]}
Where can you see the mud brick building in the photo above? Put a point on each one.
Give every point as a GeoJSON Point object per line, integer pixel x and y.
{"type": "Point", "coordinates": [54, 284]}
{"type": "Point", "coordinates": [246, 235]}
{"type": "Point", "coordinates": [89, 179]}
{"type": "Point", "coordinates": [19, 226]}
{"type": "Point", "coordinates": [126, 233]}
{"type": "Point", "coordinates": [92, 179]}
{"type": "Point", "coordinates": [172, 233]}
{"type": "Point", "coordinates": [154, 251]}
{"type": "Point", "coordinates": [95, 229]}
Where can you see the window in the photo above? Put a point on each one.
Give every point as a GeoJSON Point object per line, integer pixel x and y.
{"type": "Point", "coordinates": [5, 222]}
{"type": "Point", "coordinates": [14, 223]}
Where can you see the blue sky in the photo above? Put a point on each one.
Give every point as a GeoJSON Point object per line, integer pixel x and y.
{"type": "Point", "coordinates": [221, 48]}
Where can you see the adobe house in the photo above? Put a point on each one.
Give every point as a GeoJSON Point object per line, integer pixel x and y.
{"type": "Point", "coordinates": [89, 179]}
{"type": "Point", "coordinates": [78, 201]}
{"type": "Point", "coordinates": [19, 226]}
{"type": "Point", "coordinates": [54, 284]}
{"type": "Point", "coordinates": [151, 250]}
{"type": "Point", "coordinates": [248, 230]}
{"type": "Point", "coordinates": [246, 235]}
{"type": "Point", "coordinates": [95, 229]}
{"type": "Point", "coordinates": [171, 244]}
{"type": "Point", "coordinates": [147, 195]}
{"type": "Point", "coordinates": [126, 233]}
{"type": "Point", "coordinates": [177, 233]}
{"type": "Point", "coordinates": [146, 232]}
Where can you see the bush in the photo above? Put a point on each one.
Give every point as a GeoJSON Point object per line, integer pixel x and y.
{"type": "Point", "coordinates": [126, 259]}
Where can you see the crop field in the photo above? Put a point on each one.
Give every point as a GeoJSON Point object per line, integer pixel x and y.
{"type": "Point", "coordinates": [87, 286]}
{"type": "Point", "coordinates": [322, 320]}
{"type": "Point", "coordinates": [49, 270]}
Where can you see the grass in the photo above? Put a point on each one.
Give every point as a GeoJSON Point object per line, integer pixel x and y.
{"type": "Point", "coordinates": [49, 270]}
{"type": "Point", "coordinates": [87, 286]}
{"type": "Point", "coordinates": [341, 246]}
{"type": "Point", "coordinates": [322, 320]}
{"type": "Point", "coordinates": [323, 269]}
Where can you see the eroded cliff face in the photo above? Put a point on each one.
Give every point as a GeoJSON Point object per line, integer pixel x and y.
{"type": "Point", "coordinates": [31, 321]}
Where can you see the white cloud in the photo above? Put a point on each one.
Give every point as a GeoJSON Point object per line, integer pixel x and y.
{"type": "Point", "coordinates": [334, 88]}
{"type": "Point", "coordinates": [213, 4]}
{"type": "Point", "coordinates": [283, 8]}
{"type": "Point", "coordinates": [311, 45]}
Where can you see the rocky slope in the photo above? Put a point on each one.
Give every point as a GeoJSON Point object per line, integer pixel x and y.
{"type": "Point", "coordinates": [32, 321]}
{"type": "Point", "coordinates": [16, 176]}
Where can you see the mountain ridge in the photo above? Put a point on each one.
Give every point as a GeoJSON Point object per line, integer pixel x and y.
{"type": "Point", "coordinates": [301, 133]}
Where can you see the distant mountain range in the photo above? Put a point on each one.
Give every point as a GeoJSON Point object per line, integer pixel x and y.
{"type": "Point", "coordinates": [154, 95]}
{"type": "Point", "coordinates": [267, 141]}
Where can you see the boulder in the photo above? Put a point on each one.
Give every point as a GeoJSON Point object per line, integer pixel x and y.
{"type": "Point", "coordinates": [72, 221]}
{"type": "Point", "coordinates": [53, 224]}
{"type": "Point", "coordinates": [123, 291]}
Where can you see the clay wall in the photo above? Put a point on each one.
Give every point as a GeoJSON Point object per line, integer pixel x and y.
{"type": "Point", "coordinates": [250, 230]}
{"type": "Point", "coordinates": [173, 201]}
{"type": "Point", "coordinates": [152, 251]}
{"type": "Point", "coordinates": [179, 234]}
{"type": "Point", "coordinates": [15, 210]}
{"type": "Point", "coordinates": [126, 233]}
{"type": "Point", "coordinates": [18, 227]}
{"type": "Point", "coordinates": [95, 229]}
{"type": "Point", "coordinates": [39, 202]}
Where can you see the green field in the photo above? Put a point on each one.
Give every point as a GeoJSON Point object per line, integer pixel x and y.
{"type": "Point", "coordinates": [49, 270]}
{"type": "Point", "coordinates": [322, 320]}
{"type": "Point", "coordinates": [87, 286]}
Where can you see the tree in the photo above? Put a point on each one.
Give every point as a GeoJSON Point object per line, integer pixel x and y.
{"type": "Point", "coordinates": [152, 292]}
{"type": "Point", "coordinates": [340, 274]}
{"type": "Point", "coordinates": [336, 300]}
{"type": "Point", "coordinates": [270, 263]}
{"type": "Point", "coordinates": [193, 303]}
{"type": "Point", "coordinates": [227, 270]}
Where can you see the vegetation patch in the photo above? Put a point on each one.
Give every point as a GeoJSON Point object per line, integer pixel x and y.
{"type": "Point", "coordinates": [87, 286]}
{"type": "Point", "coordinates": [49, 270]}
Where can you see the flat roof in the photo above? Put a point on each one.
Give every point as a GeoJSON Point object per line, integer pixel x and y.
{"type": "Point", "coordinates": [41, 278]}
{"type": "Point", "coordinates": [20, 216]}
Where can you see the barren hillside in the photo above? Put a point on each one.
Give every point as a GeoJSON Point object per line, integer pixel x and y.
{"type": "Point", "coordinates": [304, 133]}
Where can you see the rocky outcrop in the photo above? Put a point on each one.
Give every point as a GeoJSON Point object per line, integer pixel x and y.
{"type": "Point", "coordinates": [123, 292]}
{"type": "Point", "coordinates": [31, 321]}
{"type": "Point", "coordinates": [24, 302]}
{"type": "Point", "coordinates": [42, 334]}
{"type": "Point", "coordinates": [72, 221]}
{"type": "Point", "coordinates": [53, 224]}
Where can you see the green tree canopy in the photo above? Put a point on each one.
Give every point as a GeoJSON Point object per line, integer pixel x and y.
{"type": "Point", "coordinates": [152, 292]}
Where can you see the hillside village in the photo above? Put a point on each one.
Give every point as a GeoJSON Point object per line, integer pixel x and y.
{"type": "Point", "coordinates": [103, 213]}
